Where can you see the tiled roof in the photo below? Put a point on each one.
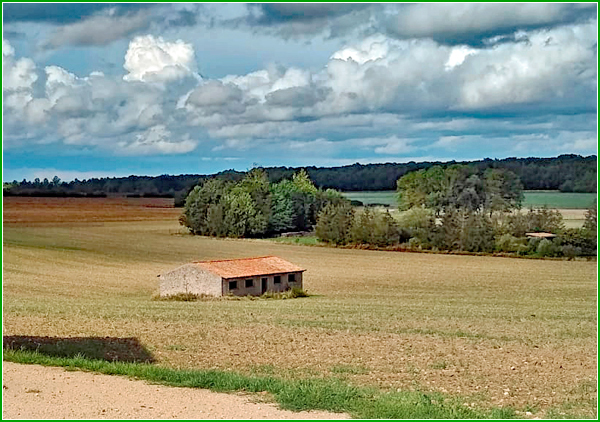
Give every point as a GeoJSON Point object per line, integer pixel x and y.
{"type": "Point", "coordinates": [249, 267]}
{"type": "Point", "coordinates": [542, 235]}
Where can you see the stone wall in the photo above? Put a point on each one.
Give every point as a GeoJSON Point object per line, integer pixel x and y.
{"type": "Point", "coordinates": [256, 284]}
{"type": "Point", "coordinates": [192, 279]}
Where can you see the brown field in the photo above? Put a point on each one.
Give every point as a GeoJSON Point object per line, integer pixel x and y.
{"type": "Point", "coordinates": [498, 331]}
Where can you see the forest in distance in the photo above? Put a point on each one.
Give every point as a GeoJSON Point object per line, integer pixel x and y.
{"type": "Point", "coordinates": [566, 173]}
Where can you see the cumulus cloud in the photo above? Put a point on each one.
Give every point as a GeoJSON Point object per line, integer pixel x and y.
{"type": "Point", "coordinates": [215, 93]}
{"type": "Point", "coordinates": [558, 64]}
{"type": "Point", "coordinates": [18, 79]}
{"type": "Point", "coordinates": [152, 59]}
{"type": "Point", "coordinates": [16, 74]}
{"type": "Point", "coordinates": [391, 74]}
{"type": "Point", "coordinates": [302, 96]}
{"type": "Point", "coordinates": [554, 67]}
{"type": "Point", "coordinates": [126, 117]}
{"type": "Point", "coordinates": [263, 82]}
{"type": "Point", "coordinates": [99, 29]}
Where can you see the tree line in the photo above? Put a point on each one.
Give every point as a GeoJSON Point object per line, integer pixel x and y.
{"type": "Point", "coordinates": [459, 208]}
{"type": "Point", "coordinates": [567, 173]}
{"type": "Point", "coordinates": [255, 207]}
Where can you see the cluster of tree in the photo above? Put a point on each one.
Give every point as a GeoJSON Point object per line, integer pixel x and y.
{"type": "Point", "coordinates": [568, 173]}
{"type": "Point", "coordinates": [458, 208]}
{"type": "Point", "coordinates": [255, 207]}
{"type": "Point", "coordinates": [569, 242]}
{"type": "Point", "coordinates": [340, 224]}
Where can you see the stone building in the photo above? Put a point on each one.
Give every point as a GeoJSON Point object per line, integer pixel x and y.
{"type": "Point", "coordinates": [239, 277]}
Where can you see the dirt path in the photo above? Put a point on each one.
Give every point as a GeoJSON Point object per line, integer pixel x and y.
{"type": "Point", "coordinates": [37, 392]}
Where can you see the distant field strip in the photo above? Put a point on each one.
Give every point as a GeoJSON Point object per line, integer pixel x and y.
{"type": "Point", "coordinates": [552, 199]}
{"type": "Point", "coordinates": [496, 332]}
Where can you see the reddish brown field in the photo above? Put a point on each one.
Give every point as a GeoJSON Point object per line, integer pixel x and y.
{"type": "Point", "coordinates": [23, 211]}
{"type": "Point", "coordinates": [496, 331]}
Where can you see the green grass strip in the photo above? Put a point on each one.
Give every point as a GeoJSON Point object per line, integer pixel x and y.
{"type": "Point", "coordinates": [328, 394]}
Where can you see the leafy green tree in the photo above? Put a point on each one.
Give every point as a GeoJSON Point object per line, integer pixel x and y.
{"type": "Point", "coordinates": [548, 247]}
{"type": "Point", "coordinates": [297, 202]}
{"type": "Point", "coordinates": [256, 183]}
{"type": "Point", "coordinates": [282, 209]}
{"type": "Point", "coordinates": [509, 243]}
{"type": "Point", "coordinates": [477, 233]}
{"type": "Point", "coordinates": [361, 231]}
{"type": "Point", "coordinates": [504, 191]}
{"type": "Point", "coordinates": [386, 231]}
{"type": "Point", "coordinates": [590, 225]}
{"type": "Point", "coordinates": [334, 223]}
{"type": "Point", "coordinates": [199, 201]}
{"type": "Point", "coordinates": [215, 220]}
{"type": "Point", "coordinates": [253, 206]}
{"type": "Point", "coordinates": [420, 224]}
{"type": "Point", "coordinates": [241, 216]}
{"type": "Point", "coordinates": [459, 187]}
{"type": "Point", "coordinates": [412, 190]}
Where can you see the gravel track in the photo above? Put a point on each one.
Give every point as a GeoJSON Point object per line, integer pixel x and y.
{"type": "Point", "coordinates": [38, 392]}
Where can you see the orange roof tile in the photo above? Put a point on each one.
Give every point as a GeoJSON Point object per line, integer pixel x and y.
{"type": "Point", "coordinates": [540, 234]}
{"type": "Point", "coordinates": [249, 267]}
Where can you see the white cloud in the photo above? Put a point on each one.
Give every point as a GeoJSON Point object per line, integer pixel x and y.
{"type": "Point", "coordinates": [373, 48]}
{"type": "Point", "coordinates": [18, 79]}
{"type": "Point", "coordinates": [449, 142]}
{"type": "Point", "coordinates": [152, 59]}
{"type": "Point", "coordinates": [397, 74]}
{"type": "Point", "coordinates": [394, 145]}
{"type": "Point", "coordinates": [458, 55]}
{"type": "Point", "coordinates": [320, 145]}
{"type": "Point", "coordinates": [16, 74]}
{"type": "Point", "coordinates": [585, 145]}
{"type": "Point", "coordinates": [551, 65]}
{"type": "Point", "coordinates": [60, 84]}
{"type": "Point", "coordinates": [156, 140]}
{"type": "Point", "coordinates": [260, 83]}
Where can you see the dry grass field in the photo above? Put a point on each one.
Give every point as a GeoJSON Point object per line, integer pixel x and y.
{"type": "Point", "coordinates": [497, 331]}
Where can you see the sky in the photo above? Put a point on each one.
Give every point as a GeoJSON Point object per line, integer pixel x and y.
{"type": "Point", "coordinates": [114, 89]}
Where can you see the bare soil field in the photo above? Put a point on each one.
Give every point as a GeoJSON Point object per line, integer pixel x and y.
{"type": "Point", "coordinates": [496, 331]}
{"type": "Point", "coordinates": [40, 211]}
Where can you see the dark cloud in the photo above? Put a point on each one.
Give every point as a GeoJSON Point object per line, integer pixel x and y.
{"type": "Point", "coordinates": [13, 35]}
{"type": "Point", "coordinates": [292, 20]}
{"type": "Point", "coordinates": [61, 13]}
{"type": "Point", "coordinates": [182, 15]}
{"type": "Point", "coordinates": [480, 24]}
{"type": "Point", "coordinates": [184, 18]}
{"type": "Point", "coordinates": [99, 29]}
{"type": "Point", "coordinates": [274, 13]}
{"type": "Point", "coordinates": [474, 24]}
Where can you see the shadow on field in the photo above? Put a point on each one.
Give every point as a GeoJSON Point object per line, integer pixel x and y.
{"type": "Point", "coordinates": [112, 349]}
